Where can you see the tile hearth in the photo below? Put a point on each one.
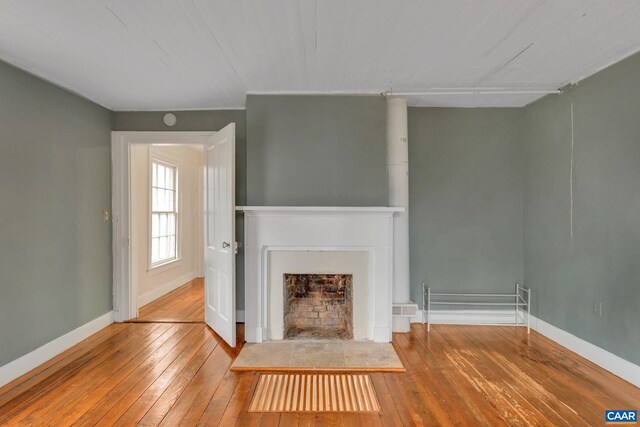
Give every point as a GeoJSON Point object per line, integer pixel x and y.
{"type": "Point", "coordinates": [310, 355]}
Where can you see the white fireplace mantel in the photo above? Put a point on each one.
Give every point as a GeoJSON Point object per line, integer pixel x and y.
{"type": "Point", "coordinates": [325, 228]}
{"type": "Point", "coordinates": [384, 210]}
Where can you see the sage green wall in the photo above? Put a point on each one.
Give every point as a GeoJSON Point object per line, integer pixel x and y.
{"type": "Point", "coordinates": [465, 199]}
{"type": "Point", "coordinates": [205, 120]}
{"type": "Point", "coordinates": [55, 180]}
{"type": "Point", "coordinates": [489, 196]}
{"type": "Point", "coordinates": [601, 262]}
{"type": "Point", "coordinates": [316, 150]}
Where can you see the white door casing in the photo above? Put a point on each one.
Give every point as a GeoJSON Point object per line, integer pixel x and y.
{"type": "Point", "coordinates": [220, 280]}
{"type": "Point", "coordinates": [125, 290]}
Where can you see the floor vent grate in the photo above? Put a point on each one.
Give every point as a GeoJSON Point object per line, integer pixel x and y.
{"type": "Point", "coordinates": [314, 393]}
{"type": "Point", "coordinates": [405, 310]}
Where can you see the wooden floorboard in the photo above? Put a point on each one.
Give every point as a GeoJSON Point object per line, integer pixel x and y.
{"type": "Point", "coordinates": [184, 304]}
{"type": "Point", "coordinates": [179, 374]}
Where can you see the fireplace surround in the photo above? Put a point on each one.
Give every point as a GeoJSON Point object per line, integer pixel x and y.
{"type": "Point", "coordinates": [280, 230]}
{"type": "Point", "coordinates": [354, 263]}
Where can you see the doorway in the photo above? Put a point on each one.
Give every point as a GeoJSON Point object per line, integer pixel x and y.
{"type": "Point", "coordinates": [167, 249]}
{"type": "Point", "coordinates": [213, 222]}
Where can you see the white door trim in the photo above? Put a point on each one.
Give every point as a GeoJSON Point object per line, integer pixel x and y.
{"type": "Point", "coordinates": [125, 291]}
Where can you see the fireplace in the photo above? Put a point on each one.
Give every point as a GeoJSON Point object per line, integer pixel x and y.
{"type": "Point", "coordinates": [318, 306]}
{"type": "Point", "coordinates": [318, 240]}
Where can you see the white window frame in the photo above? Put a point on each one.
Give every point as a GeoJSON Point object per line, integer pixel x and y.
{"type": "Point", "coordinates": [160, 157]}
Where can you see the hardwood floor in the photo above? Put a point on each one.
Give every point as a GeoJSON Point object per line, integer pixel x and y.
{"type": "Point", "coordinates": [178, 374]}
{"type": "Point", "coordinates": [184, 304]}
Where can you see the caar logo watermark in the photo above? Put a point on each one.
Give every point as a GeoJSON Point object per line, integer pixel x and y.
{"type": "Point", "coordinates": [619, 416]}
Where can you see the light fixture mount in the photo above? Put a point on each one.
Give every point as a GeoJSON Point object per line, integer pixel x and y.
{"type": "Point", "coordinates": [170, 119]}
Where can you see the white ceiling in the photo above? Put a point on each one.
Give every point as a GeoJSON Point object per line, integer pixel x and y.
{"type": "Point", "coordinates": [208, 54]}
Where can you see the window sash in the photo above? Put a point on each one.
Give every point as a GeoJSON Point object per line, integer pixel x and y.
{"type": "Point", "coordinates": [164, 213]}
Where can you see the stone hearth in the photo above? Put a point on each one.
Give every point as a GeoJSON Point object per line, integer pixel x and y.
{"type": "Point", "coordinates": [318, 306]}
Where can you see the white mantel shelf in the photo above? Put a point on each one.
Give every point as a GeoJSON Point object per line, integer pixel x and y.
{"type": "Point", "coordinates": [311, 209]}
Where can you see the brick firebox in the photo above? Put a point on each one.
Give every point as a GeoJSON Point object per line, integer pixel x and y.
{"type": "Point", "coordinates": [318, 306]}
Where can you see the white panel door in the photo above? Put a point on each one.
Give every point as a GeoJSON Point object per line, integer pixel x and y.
{"type": "Point", "coordinates": [220, 263]}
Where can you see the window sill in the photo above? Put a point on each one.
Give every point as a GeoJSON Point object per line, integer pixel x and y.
{"type": "Point", "coordinates": [159, 268]}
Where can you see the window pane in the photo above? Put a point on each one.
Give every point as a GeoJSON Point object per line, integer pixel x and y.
{"type": "Point", "coordinates": [154, 178]}
{"type": "Point", "coordinates": [165, 200]}
{"type": "Point", "coordinates": [158, 206]}
{"type": "Point", "coordinates": [172, 224]}
{"type": "Point", "coordinates": [170, 200]}
{"type": "Point", "coordinates": [164, 247]}
{"type": "Point", "coordinates": [154, 199]}
{"type": "Point", "coordinates": [172, 246]}
{"type": "Point", "coordinates": [167, 231]}
{"type": "Point", "coordinates": [154, 250]}
{"type": "Point", "coordinates": [161, 174]}
{"type": "Point", "coordinates": [170, 178]}
{"type": "Point", "coordinates": [164, 205]}
{"type": "Point", "coordinates": [155, 225]}
{"type": "Point", "coordinates": [163, 225]}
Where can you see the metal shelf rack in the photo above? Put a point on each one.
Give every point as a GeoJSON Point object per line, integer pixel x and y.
{"type": "Point", "coordinates": [520, 304]}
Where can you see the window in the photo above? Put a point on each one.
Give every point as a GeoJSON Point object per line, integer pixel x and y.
{"type": "Point", "coordinates": [164, 212]}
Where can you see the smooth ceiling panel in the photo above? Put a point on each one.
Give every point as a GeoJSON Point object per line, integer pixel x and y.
{"type": "Point", "coordinates": [123, 55]}
{"type": "Point", "coordinates": [451, 44]}
{"type": "Point", "coordinates": [569, 38]}
{"type": "Point", "coordinates": [351, 40]}
{"type": "Point", "coordinates": [265, 44]}
{"type": "Point", "coordinates": [199, 54]}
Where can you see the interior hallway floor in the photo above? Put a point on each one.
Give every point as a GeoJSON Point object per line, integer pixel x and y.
{"type": "Point", "coordinates": [178, 374]}
{"type": "Point", "coordinates": [184, 304]}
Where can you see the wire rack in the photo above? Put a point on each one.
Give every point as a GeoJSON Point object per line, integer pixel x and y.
{"type": "Point", "coordinates": [519, 302]}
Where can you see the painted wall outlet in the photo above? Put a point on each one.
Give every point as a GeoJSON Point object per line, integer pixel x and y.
{"type": "Point", "coordinates": [597, 308]}
{"type": "Point", "coordinates": [106, 215]}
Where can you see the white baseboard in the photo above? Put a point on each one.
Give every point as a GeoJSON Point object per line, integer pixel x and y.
{"type": "Point", "coordinates": [24, 364]}
{"type": "Point", "coordinates": [381, 334]}
{"type": "Point", "coordinates": [156, 293]}
{"type": "Point", "coordinates": [254, 333]}
{"type": "Point", "coordinates": [418, 318]}
{"type": "Point", "coordinates": [470, 317]}
{"type": "Point", "coordinates": [601, 357]}
{"type": "Point", "coordinates": [240, 316]}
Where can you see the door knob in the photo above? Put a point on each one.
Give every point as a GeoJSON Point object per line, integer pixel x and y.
{"type": "Point", "coordinates": [225, 244]}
